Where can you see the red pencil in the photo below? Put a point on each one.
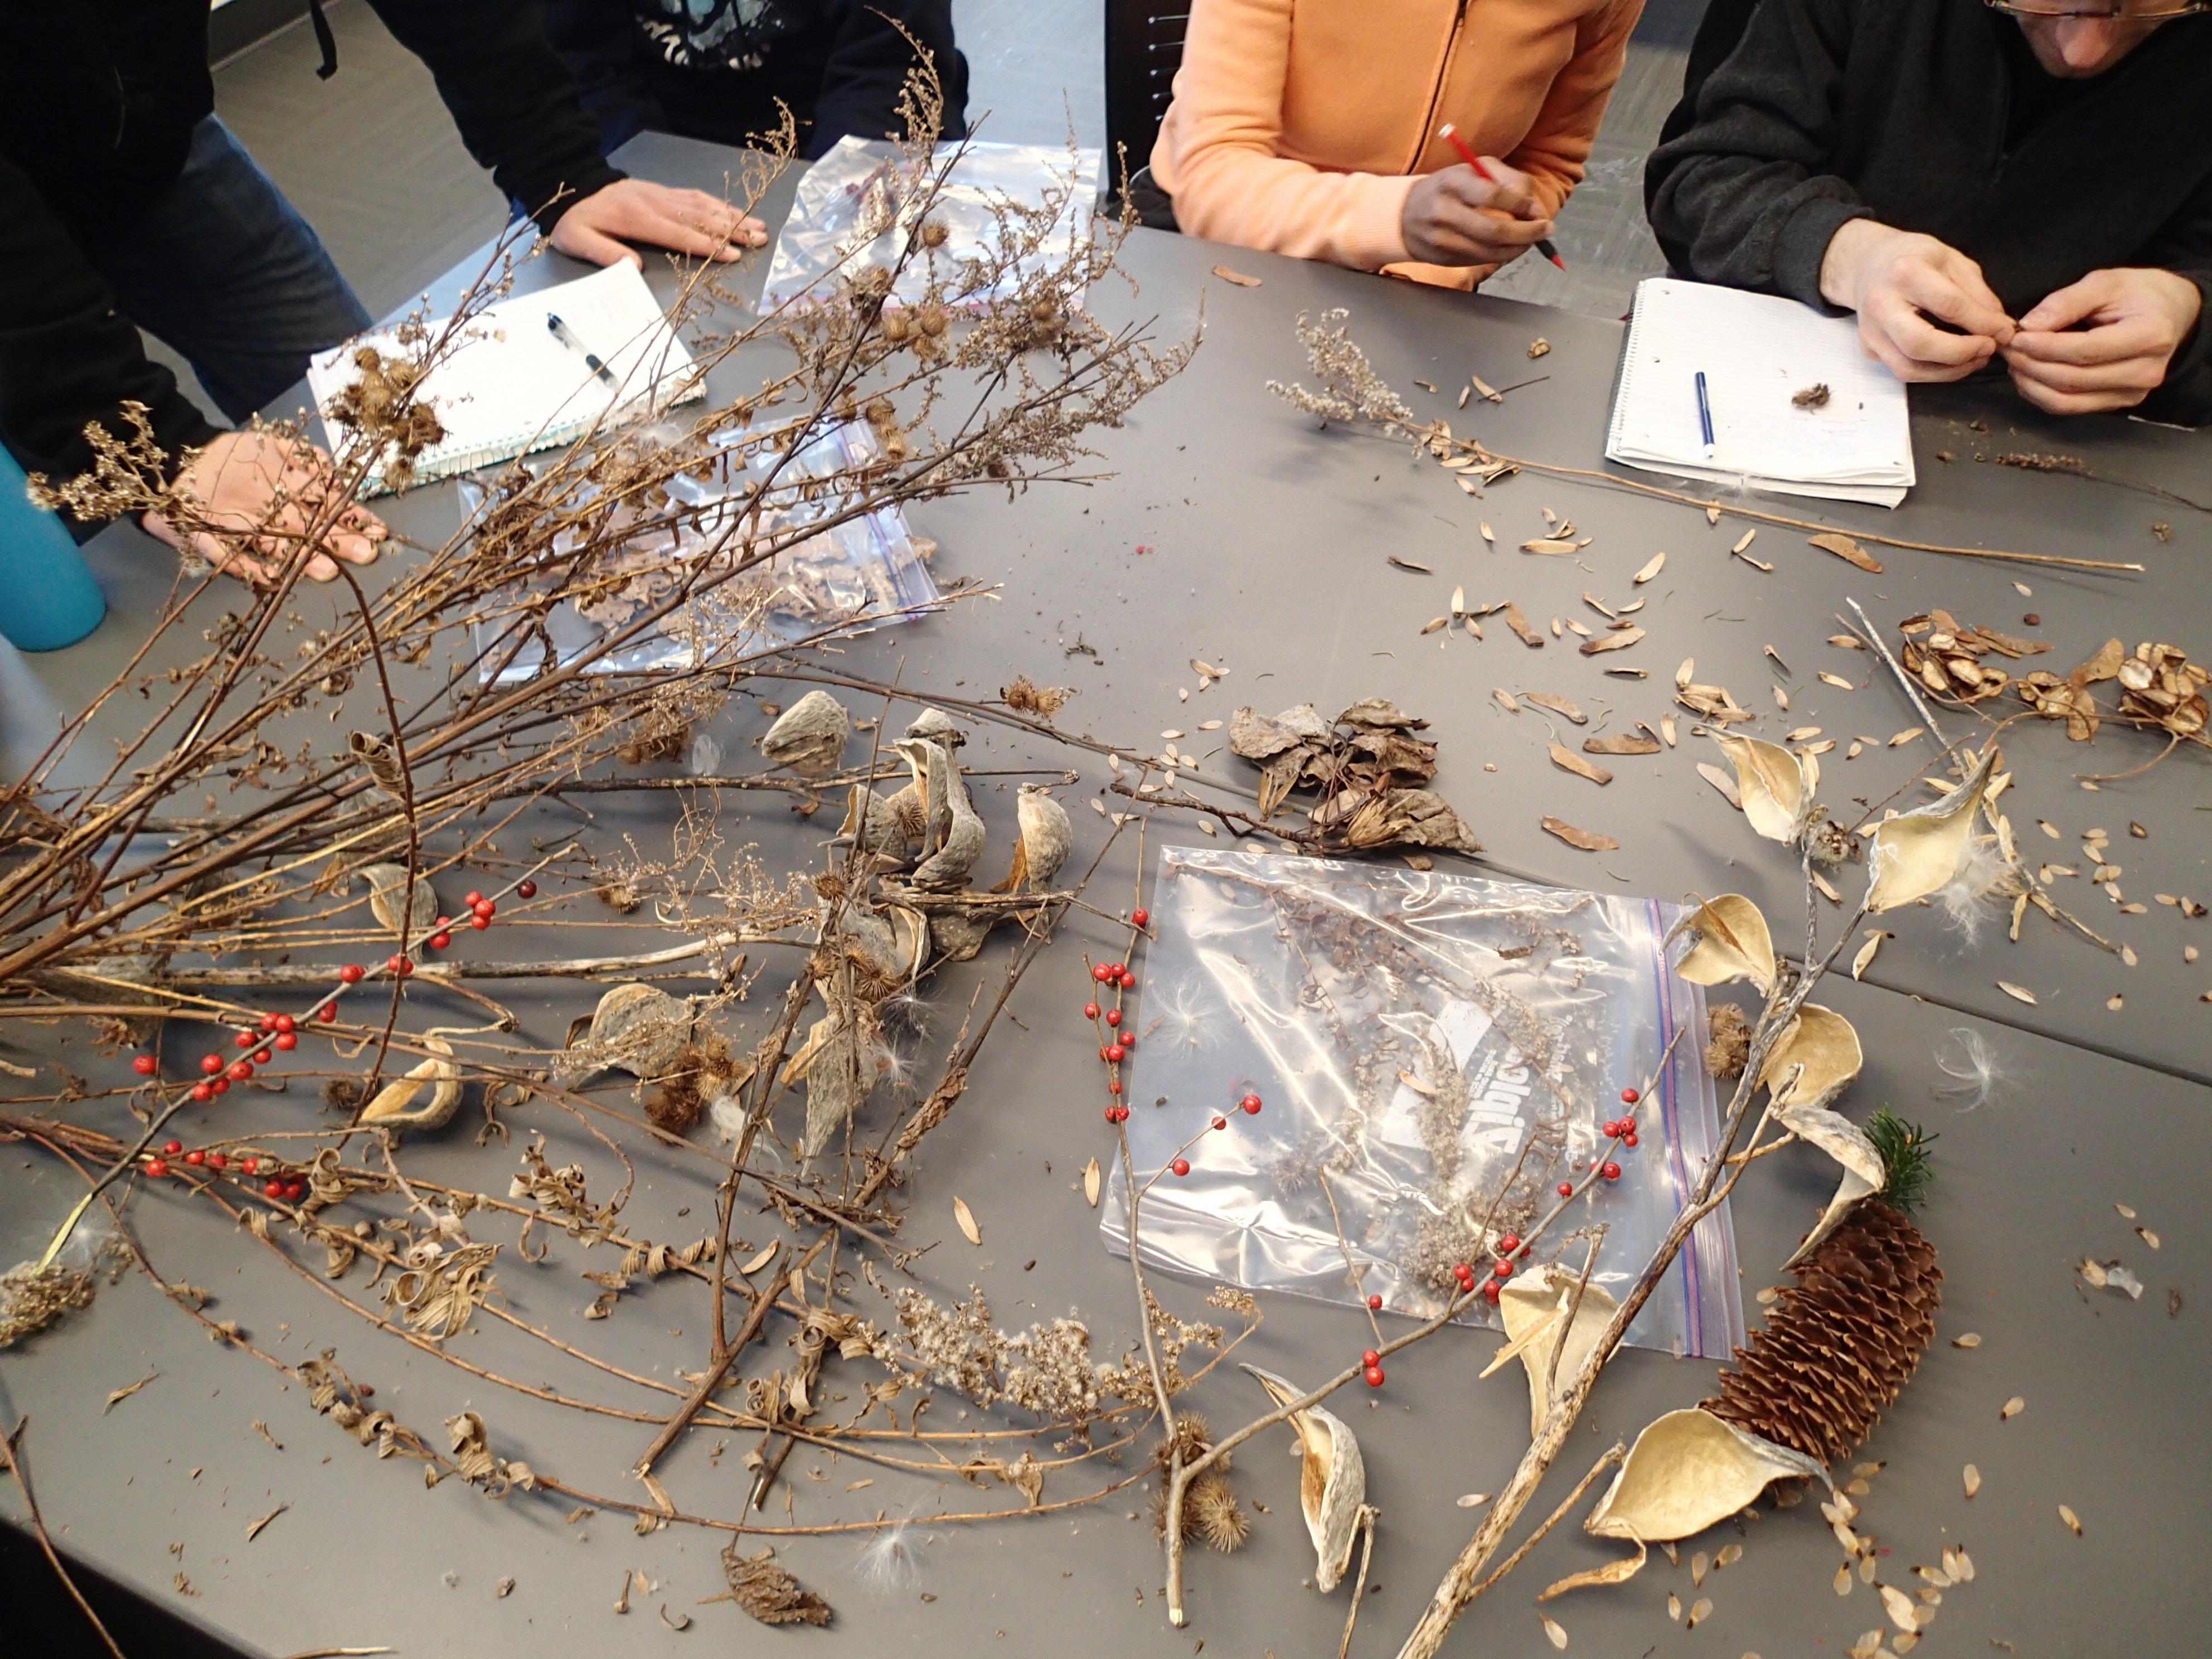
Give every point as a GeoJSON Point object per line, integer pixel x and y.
{"type": "Point", "coordinates": [1466, 155]}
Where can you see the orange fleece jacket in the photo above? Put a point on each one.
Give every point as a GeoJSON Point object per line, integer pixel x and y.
{"type": "Point", "coordinates": [1299, 126]}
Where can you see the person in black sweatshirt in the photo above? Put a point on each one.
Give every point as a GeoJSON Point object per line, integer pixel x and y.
{"type": "Point", "coordinates": [718, 70]}
{"type": "Point", "coordinates": [2023, 182]}
{"type": "Point", "coordinates": [124, 201]}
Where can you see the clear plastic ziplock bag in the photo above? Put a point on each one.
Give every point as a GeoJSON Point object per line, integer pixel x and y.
{"type": "Point", "coordinates": [858, 573]}
{"type": "Point", "coordinates": [990, 192]}
{"type": "Point", "coordinates": [1433, 1052]}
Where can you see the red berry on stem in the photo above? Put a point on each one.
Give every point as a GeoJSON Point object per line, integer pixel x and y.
{"type": "Point", "coordinates": [472, 898]}
{"type": "Point", "coordinates": [157, 1167]}
{"type": "Point", "coordinates": [1374, 1374]}
{"type": "Point", "coordinates": [211, 1063]}
{"type": "Point", "coordinates": [285, 1040]}
{"type": "Point", "coordinates": [286, 1023]}
{"type": "Point", "coordinates": [1128, 980]}
{"type": "Point", "coordinates": [485, 908]}
{"type": "Point", "coordinates": [353, 973]}
{"type": "Point", "coordinates": [1629, 1097]}
{"type": "Point", "coordinates": [1098, 972]}
{"type": "Point", "coordinates": [244, 1039]}
{"type": "Point", "coordinates": [1250, 1104]}
{"type": "Point", "coordinates": [329, 1010]}
{"type": "Point", "coordinates": [220, 1084]}
{"type": "Point", "coordinates": [1566, 1189]}
{"type": "Point", "coordinates": [1115, 1087]}
{"type": "Point", "coordinates": [241, 1069]}
{"type": "Point", "coordinates": [480, 922]}
{"type": "Point", "coordinates": [216, 1161]}
{"type": "Point", "coordinates": [1370, 1357]}
{"type": "Point", "coordinates": [273, 1189]}
{"type": "Point", "coordinates": [202, 1093]}
{"type": "Point", "coordinates": [1374, 1303]}
{"type": "Point", "coordinates": [526, 888]}
{"type": "Point", "coordinates": [145, 1065]}
{"type": "Point", "coordinates": [250, 1165]}
{"type": "Point", "coordinates": [1127, 1039]}
{"type": "Point", "coordinates": [1502, 1270]}
{"type": "Point", "coordinates": [1090, 1011]}
{"type": "Point", "coordinates": [172, 1147]}
{"type": "Point", "coordinates": [1611, 1172]}
{"type": "Point", "coordinates": [1113, 1016]}
{"type": "Point", "coordinates": [1141, 918]}
{"type": "Point", "coordinates": [1115, 1054]}
{"type": "Point", "coordinates": [196, 1157]}
{"type": "Point", "coordinates": [1508, 1244]}
{"type": "Point", "coordinates": [295, 1190]}
{"type": "Point", "coordinates": [1490, 1289]}
{"type": "Point", "coordinates": [1180, 1166]}
{"type": "Point", "coordinates": [441, 941]}
{"type": "Point", "coordinates": [1220, 1122]}
{"type": "Point", "coordinates": [1608, 1129]}
{"type": "Point", "coordinates": [1629, 1139]}
{"type": "Point", "coordinates": [266, 1022]}
{"type": "Point", "coordinates": [1111, 1118]}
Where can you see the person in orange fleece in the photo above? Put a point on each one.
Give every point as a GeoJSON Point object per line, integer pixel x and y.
{"type": "Point", "coordinates": [1309, 127]}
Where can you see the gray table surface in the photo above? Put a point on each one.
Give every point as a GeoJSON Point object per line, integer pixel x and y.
{"type": "Point", "coordinates": [1265, 545]}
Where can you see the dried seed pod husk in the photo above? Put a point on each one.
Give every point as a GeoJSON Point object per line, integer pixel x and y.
{"type": "Point", "coordinates": [385, 884]}
{"type": "Point", "coordinates": [639, 1029]}
{"type": "Point", "coordinates": [1918, 852]}
{"type": "Point", "coordinates": [1844, 1141]}
{"type": "Point", "coordinates": [401, 1103]}
{"type": "Point", "coordinates": [1042, 845]}
{"type": "Point", "coordinates": [1730, 940]}
{"type": "Point", "coordinates": [1687, 1471]}
{"type": "Point", "coordinates": [809, 735]}
{"type": "Point", "coordinates": [885, 826]}
{"type": "Point", "coordinates": [1813, 1061]}
{"type": "Point", "coordinates": [1535, 1303]}
{"type": "Point", "coordinates": [842, 1063]}
{"type": "Point", "coordinates": [1775, 786]}
{"type": "Point", "coordinates": [1332, 1480]}
{"type": "Point", "coordinates": [960, 828]}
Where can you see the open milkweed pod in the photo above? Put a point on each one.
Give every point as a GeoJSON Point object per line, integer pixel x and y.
{"type": "Point", "coordinates": [397, 1105]}
{"type": "Point", "coordinates": [1844, 1141]}
{"type": "Point", "coordinates": [1813, 1060]}
{"type": "Point", "coordinates": [1917, 853]}
{"type": "Point", "coordinates": [1728, 941]}
{"type": "Point", "coordinates": [386, 881]}
{"type": "Point", "coordinates": [1332, 1480]}
{"type": "Point", "coordinates": [1687, 1471]}
{"type": "Point", "coordinates": [1534, 1307]}
{"type": "Point", "coordinates": [1775, 786]}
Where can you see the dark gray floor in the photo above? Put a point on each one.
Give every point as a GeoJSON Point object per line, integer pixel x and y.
{"type": "Point", "coordinates": [373, 160]}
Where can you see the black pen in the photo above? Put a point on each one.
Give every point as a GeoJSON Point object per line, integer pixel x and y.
{"type": "Point", "coordinates": [567, 338]}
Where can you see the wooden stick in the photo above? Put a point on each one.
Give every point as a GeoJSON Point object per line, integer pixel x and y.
{"type": "Point", "coordinates": [719, 1366]}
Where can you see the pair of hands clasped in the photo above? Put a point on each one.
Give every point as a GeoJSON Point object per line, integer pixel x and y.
{"type": "Point", "coordinates": [241, 476]}
{"type": "Point", "coordinates": [2100, 344]}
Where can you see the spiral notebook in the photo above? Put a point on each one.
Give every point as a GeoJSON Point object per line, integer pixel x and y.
{"type": "Point", "coordinates": [512, 387]}
{"type": "Point", "coordinates": [1797, 407]}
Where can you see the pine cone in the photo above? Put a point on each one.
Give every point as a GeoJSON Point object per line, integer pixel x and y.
{"type": "Point", "coordinates": [1841, 1342]}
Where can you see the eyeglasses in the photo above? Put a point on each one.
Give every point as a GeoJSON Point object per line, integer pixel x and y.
{"type": "Point", "coordinates": [2110, 11]}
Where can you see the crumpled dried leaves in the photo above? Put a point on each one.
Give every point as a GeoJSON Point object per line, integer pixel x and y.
{"type": "Point", "coordinates": [1368, 767]}
{"type": "Point", "coordinates": [768, 1592]}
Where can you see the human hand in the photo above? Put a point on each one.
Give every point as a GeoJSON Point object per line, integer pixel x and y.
{"type": "Point", "coordinates": [267, 486]}
{"type": "Point", "coordinates": [2104, 341]}
{"type": "Point", "coordinates": [1896, 280]}
{"type": "Point", "coordinates": [1455, 216]}
{"type": "Point", "coordinates": [690, 222]}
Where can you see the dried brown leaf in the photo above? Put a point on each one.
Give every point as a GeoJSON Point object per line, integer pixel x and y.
{"type": "Point", "coordinates": [1235, 276]}
{"type": "Point", "coordinates": [1847, 550]}
{"type": "Point", "coordinates": [1567, 760]}
{"type": "Point", "coordinates": [1585, 839]}
{"type": "Point", "coordinates": [965, 1218]}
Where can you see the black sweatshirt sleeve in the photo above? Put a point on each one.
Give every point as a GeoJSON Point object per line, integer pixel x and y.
{"type": "Point", "coordinates": [516, 104]}
{"type": "Point", "coordinates": [66, 356]}
{"type": "Point", "coordinates": [2184, 248]}
{"type": "Point", "coordinates": [1743, 196]}
{"type": "Point", "coordinates": [867, 69]}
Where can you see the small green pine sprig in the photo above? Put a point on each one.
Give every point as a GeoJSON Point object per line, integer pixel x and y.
{"type": "Point", "coordinates": [1905, 1159]}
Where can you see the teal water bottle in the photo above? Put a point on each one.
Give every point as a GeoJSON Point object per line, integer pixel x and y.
{"type": "Point", "coordinates": [48, 597]}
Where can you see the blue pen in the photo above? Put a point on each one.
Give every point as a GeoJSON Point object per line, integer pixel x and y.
{"type": "Point", "coordinates": [1705, 414]}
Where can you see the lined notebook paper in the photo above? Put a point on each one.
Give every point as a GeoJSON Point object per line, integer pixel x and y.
{"type": "Point", "coordinates": [510, 387]}
{"type": "Point", "coordinates": [1758, 352]}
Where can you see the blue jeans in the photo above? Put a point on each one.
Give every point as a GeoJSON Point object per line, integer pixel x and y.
{"type": "Point", "coordinates": [225, 271]}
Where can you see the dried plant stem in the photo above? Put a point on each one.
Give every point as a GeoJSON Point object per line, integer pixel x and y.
{"type": "Point", "coordinates": [1612, 1456]}
{"type": "Point", "coordinates": [12, 1451]}
{"type": "Point", "coordinates": [1874, 639]}
{"type": "Point", "coordinates": [1367, 1518]}
{"type": "Point", "coordinates": [718, 1367]}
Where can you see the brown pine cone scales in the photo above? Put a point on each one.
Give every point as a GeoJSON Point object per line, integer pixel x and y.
{"type": "Point", "coordinates": [1840, 1343]}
